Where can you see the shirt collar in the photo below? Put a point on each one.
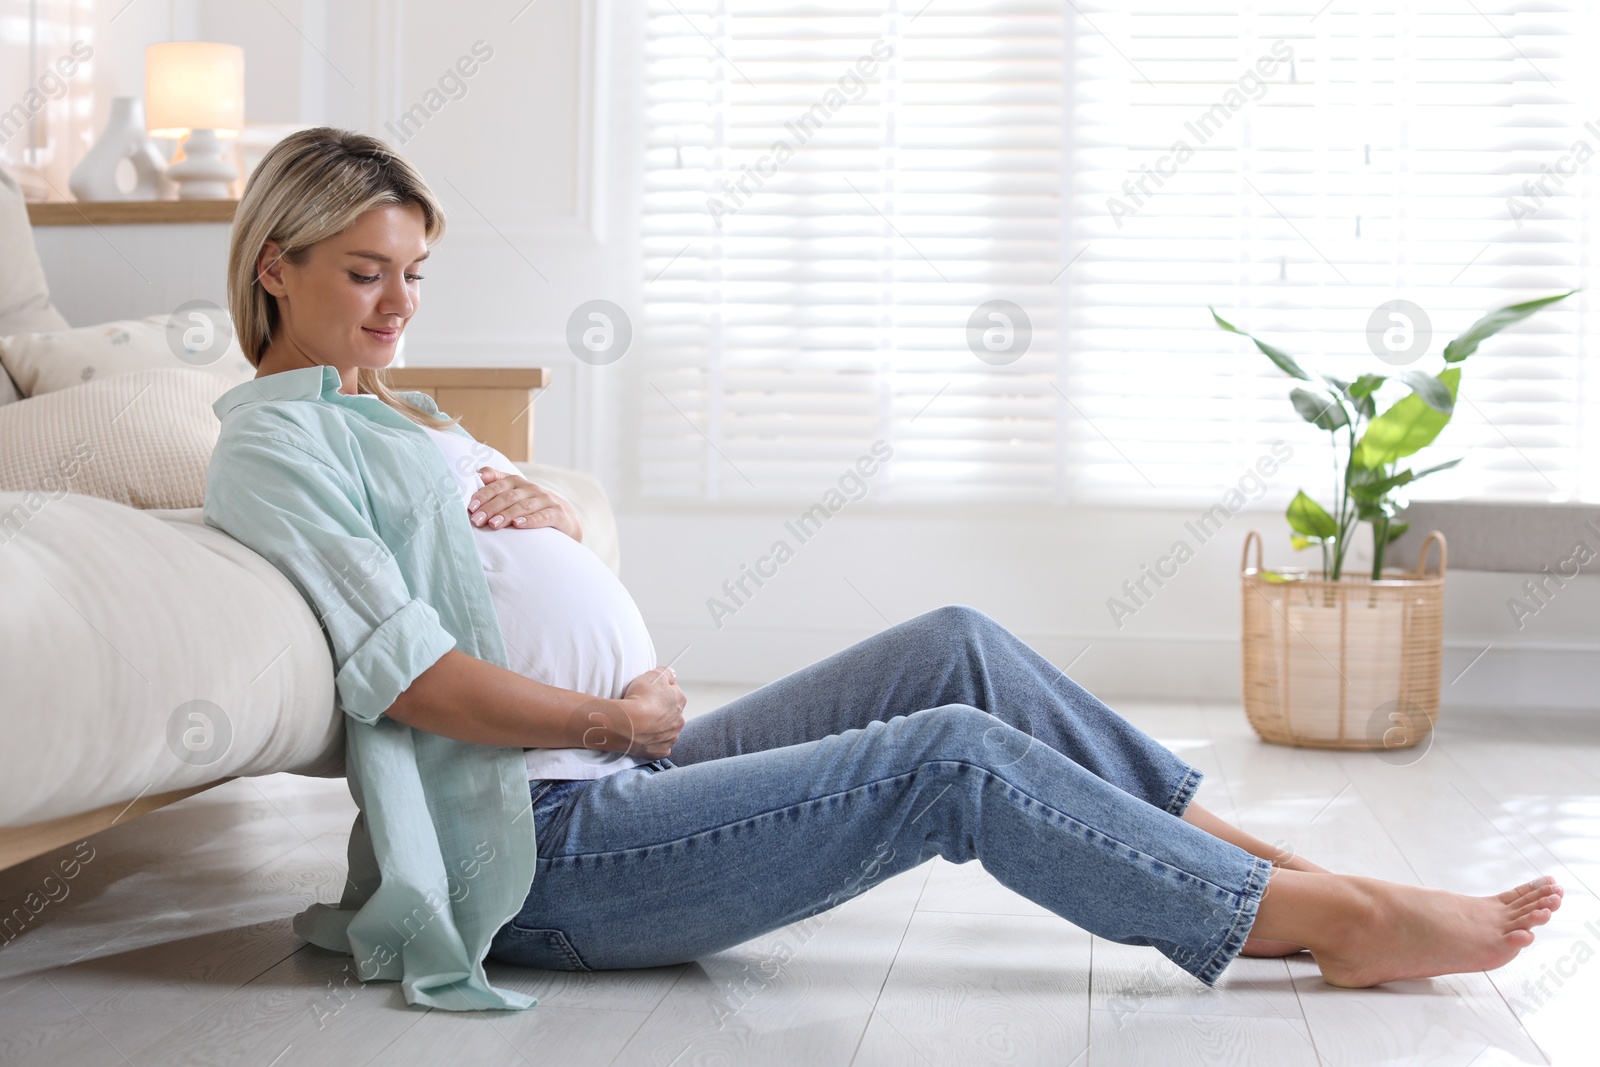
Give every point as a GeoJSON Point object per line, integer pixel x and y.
{"type": "Point", "coordinates": [302, 383]}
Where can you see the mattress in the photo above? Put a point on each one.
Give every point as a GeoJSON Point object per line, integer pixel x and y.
{"type": "Point", "coordinates": [143, 651]}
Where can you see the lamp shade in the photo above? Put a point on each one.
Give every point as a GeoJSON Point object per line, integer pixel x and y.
{"type": "Point", "coordinates": [193, 85]}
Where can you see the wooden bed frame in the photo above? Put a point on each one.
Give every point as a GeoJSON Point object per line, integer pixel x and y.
{"type": "Point", "coordinates": [19, 843]}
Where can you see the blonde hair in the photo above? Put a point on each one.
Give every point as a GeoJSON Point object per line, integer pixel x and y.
{"type": "Point", "coordinates": [312, 185]}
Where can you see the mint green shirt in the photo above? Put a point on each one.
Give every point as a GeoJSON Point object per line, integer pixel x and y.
{"type": "Point", "coordinates": [357, 506]}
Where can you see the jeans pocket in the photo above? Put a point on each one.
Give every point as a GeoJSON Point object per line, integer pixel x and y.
{"type": "Point", "coordinates": [543, 949]}
{"type": "Point", "coordinates": [551, 813]}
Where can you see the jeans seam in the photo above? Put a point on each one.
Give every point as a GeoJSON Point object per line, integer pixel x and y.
{"type": "Point", "coordinates": [1255, 888]}
{"type": "Point", "coordinates": [1142, 855]}
{"type": "Point", "coordinates": [1184, 794]}
{"type": "Point", "coordinates": [891, 778]}
{"type": "Point", "coordinates": [757, 815]}
{"type": "Point", "coordinates": [572, 953]}
{"type": "Point", "coordinates": [564, 945]}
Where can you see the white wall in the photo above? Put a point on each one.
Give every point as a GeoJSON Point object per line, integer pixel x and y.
{"type": "Point", "coordinates": [1047, 575]}
{"type": "Point", "coordinates": [538, 167]}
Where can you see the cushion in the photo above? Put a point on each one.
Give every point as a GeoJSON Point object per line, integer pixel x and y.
{"type": "Point", "coordinates": [143, 438]}
{"type": "Point", "coordinates": [52, 361]}
{"type": "Point", "coordinates": [24, 298]}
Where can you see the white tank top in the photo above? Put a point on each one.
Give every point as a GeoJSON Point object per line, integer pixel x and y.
{"type": "Point", "coordinates": [566, 619]}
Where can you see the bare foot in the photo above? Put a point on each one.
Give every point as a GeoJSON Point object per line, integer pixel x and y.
{"type": "Point", "coordinates": [1397, 931]}
{"type": "Point", "coordinates": [1263, 949]}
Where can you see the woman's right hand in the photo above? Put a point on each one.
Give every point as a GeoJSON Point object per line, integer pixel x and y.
{"type": "Point", "coordinates": [653, 705]}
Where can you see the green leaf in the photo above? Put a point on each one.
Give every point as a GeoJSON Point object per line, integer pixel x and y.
{"type": "Point", "coordinates": [1430, 389]}
{"type": "Point", "coordinates": [1395, 530]}
{"type": "Point", "coordinates": [1493, 323]}
{"type": "Point", "coordinates": [1284, 360]}
{"type": "Point", "coordinates": [1302, 543]}
{"type": "Point", "coordinates": [1410, 424]}
{"type": "Point", "coordinates": [1434, 468]}
{"type": "Point", "coordinates": [1369, 483]}
{"type": "Point", "coordinates": [1321, 410]}
{"type": "Point", "coordinates": [1366, 385]}
{"type": "Point", "coordinates": [1373, 510]}
{"type": "Point", "coordinates": [1308, 518]}
{"type": "Point", "coordinates": [1364, 485]}
{"type": "Point", "coordinates": [1360, 393]}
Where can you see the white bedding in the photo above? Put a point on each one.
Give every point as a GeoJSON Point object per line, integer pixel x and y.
{"type": "Point", "coordinates": [114, 620]}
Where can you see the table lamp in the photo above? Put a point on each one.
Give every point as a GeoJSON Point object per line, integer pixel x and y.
{"type": "Point", "coordinates": [195, 90]}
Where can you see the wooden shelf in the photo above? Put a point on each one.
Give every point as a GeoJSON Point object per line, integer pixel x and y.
{"type": "Point", "coordinates": [124, 212]}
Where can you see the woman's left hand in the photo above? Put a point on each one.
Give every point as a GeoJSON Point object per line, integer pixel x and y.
{"type": "Point", "coordinates": [509, 501]}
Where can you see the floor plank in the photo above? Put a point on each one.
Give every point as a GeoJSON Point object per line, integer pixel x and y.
{"type": "Point", "coordinates": [990, 989]}
{"type": "Point", "coordinates": [1172, 1040]}
{"type": "Point", "coordinates": [801, 995]}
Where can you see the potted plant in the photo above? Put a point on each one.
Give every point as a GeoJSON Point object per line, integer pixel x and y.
{"type": "Point", "coordinates": [1337, 661]}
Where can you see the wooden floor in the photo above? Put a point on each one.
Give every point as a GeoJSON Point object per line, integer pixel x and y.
{"type": "Point", "coordinates": [172, 942]}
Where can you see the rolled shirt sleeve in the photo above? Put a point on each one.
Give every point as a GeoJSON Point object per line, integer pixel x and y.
{"type": "Point", "coordinates": [304, 515]}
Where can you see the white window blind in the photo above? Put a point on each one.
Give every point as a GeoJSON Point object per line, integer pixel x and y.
{"type": "Point", "coordinates": [1375, 164]}
{"type": "Point", "coordinates": [816, 239]}
{"type": "Point", "coordinates": [826, 305]}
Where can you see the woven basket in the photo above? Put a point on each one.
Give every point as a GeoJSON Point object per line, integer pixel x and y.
{"type": "Point", "coordinates": [1350, 664]}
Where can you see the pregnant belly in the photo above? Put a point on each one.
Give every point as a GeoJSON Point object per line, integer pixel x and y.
{"type": "Point", "coordinates": [566, 619]}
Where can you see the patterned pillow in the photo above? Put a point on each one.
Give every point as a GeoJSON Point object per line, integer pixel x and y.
{"type": "Point", "coordinates": [143, 438]}
{"type": "Point", "coordinates": [49, 362]}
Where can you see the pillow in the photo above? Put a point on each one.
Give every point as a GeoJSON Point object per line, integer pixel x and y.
{"type": "Point", "coordinates": [49, 362]}
{"type": "Point", "coordinates": [143, 438]}
{"type": "Point", "coordinates": [24, 298]}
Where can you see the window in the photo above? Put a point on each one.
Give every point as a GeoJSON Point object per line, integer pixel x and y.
{"type": "Point", "coordinates": [46, 93]}
{"type": "Point", "coordinates": [831, 191]}
{"type": "Point", "coordinates": [1295, 168]}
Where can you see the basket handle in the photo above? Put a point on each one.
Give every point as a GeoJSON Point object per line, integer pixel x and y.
{"type": "Point", "coordinates": [1244, 562]}
{"type": "Point", "coordinates": [1422, 557]}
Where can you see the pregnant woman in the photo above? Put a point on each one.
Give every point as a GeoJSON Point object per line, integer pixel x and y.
{"type": "Point", "coordinates": [508, 729]}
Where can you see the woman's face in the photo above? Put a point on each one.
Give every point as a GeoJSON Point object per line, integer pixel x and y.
{"type": "Point", "coordinates": [347, 303]}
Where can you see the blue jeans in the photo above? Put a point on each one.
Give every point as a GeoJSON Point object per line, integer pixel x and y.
{"type": "Point", "coordinates": [944, 735]}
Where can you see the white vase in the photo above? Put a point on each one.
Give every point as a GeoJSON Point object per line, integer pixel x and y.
{"type": "Point", "coordinates": [95, 176]}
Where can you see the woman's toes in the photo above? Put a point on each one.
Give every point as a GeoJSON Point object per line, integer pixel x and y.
{"type": "Point", "coordinates": [1529, 899]}
{"type": "Point", "coordinates": [1527, 904]}
{"type": "Point", "coordinates": [1511, 896]}
{"type": "Point", "coordinates": [1515, 918]}
{"type": "Point", "coordinates": [1536, 887]}
{"type": "Point", "coordinates": [1529, 919]}
{"type": "Point", "coordinates": [1519, 939]}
